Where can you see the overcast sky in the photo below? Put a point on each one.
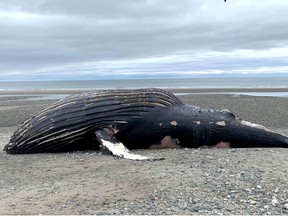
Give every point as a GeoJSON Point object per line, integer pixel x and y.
{"type": "Point", "coordinates": [104, 39]}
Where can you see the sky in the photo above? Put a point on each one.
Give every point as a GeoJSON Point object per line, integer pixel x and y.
{"type": "Point", "coordinates": [114, 39]}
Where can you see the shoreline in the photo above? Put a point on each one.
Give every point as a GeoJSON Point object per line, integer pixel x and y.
{"type": "Point", "coordinates": [49, 94]}
{"type": "Point", "coordinates": [174, 90]}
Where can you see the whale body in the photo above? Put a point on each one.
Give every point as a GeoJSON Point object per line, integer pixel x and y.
{"type": "Point", "coordinates": [118, 120]}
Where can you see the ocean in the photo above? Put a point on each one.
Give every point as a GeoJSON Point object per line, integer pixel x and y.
{"type": "Point", "coordinates": [195, 83]}
{"type": "Point", "coordinates": [189, 83]}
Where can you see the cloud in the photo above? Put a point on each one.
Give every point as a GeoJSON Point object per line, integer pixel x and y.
{"type": "Point", "coordinates": [49, 39]}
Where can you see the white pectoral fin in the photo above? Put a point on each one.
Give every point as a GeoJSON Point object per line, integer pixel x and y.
{"type": "Point", "coordinates": [119, 150]}
{"type": "Point", "coordinates": [109, 142]}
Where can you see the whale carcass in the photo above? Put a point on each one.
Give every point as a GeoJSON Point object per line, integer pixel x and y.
{"type": "Point", "coordinates": [119, 120]}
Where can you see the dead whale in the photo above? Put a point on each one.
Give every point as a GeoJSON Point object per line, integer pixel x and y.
{"type": "Point", "coordinates": [118, 120]}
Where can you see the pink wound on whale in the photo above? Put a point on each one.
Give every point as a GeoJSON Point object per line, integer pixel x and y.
{"type": "Point", "coordinates": [222, 145]}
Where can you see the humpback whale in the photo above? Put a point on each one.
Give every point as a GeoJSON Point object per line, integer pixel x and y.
{"type": "Point", "coordinates": [121, 120]}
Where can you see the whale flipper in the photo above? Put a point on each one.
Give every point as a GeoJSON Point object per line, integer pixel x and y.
{"type": "Point", "coordinates": [109, 142]}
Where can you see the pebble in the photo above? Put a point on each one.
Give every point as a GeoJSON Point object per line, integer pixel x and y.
{"type": "Point", "coordinates": [253, 202]}
{"type": "Point", "coordinates": [276, 190]}
{"type": "Point", "coordinates": [286, 206]}
{"type": "Point", "coordinates": [13, 204]}
{"type": "Point", "coordinates": [274, 201]}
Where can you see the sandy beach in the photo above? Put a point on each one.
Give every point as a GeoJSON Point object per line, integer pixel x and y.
{"type": "Point", "coordinates": [188, 181]}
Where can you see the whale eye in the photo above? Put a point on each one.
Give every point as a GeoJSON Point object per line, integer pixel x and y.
{"type": "Point", "coordinates": [227, 113]}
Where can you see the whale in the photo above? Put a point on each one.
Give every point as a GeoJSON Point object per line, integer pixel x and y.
{"type": "Point", "coordinates": [121, 120]}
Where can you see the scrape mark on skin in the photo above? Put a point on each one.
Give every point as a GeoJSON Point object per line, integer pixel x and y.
{"type": "Point", "coordinates": [112, 130]}
{"type": "Point", "coordinates": [115, 130]}
{"type": "Point", "coordinates": [197, 122]}
{"type": "Point", "coordinates": [221, 123]}
{"type": "Point", "coordinates": [121, 122]}
{"type": "Point", "coordinates": [222, 145]}
{"type": "Point", "coordinates": [167, 142]}
{"type": "Point", "coordinates": [254, 125]}
{"type": "Point", "coordinates": [160, 124]}
{"type": "Point", "coordinates": [174, 123]}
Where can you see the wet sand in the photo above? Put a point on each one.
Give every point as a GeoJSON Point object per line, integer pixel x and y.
{"type": "Point", "coordinates": [188, 181]}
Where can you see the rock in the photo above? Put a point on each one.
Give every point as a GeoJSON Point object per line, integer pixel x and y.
{"type": "Point", "coordinates": [276, 190]}
{"type": "Point", "coordinates": [274, 201]}
{"type": "Point", "coordinates": [13, 204]}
